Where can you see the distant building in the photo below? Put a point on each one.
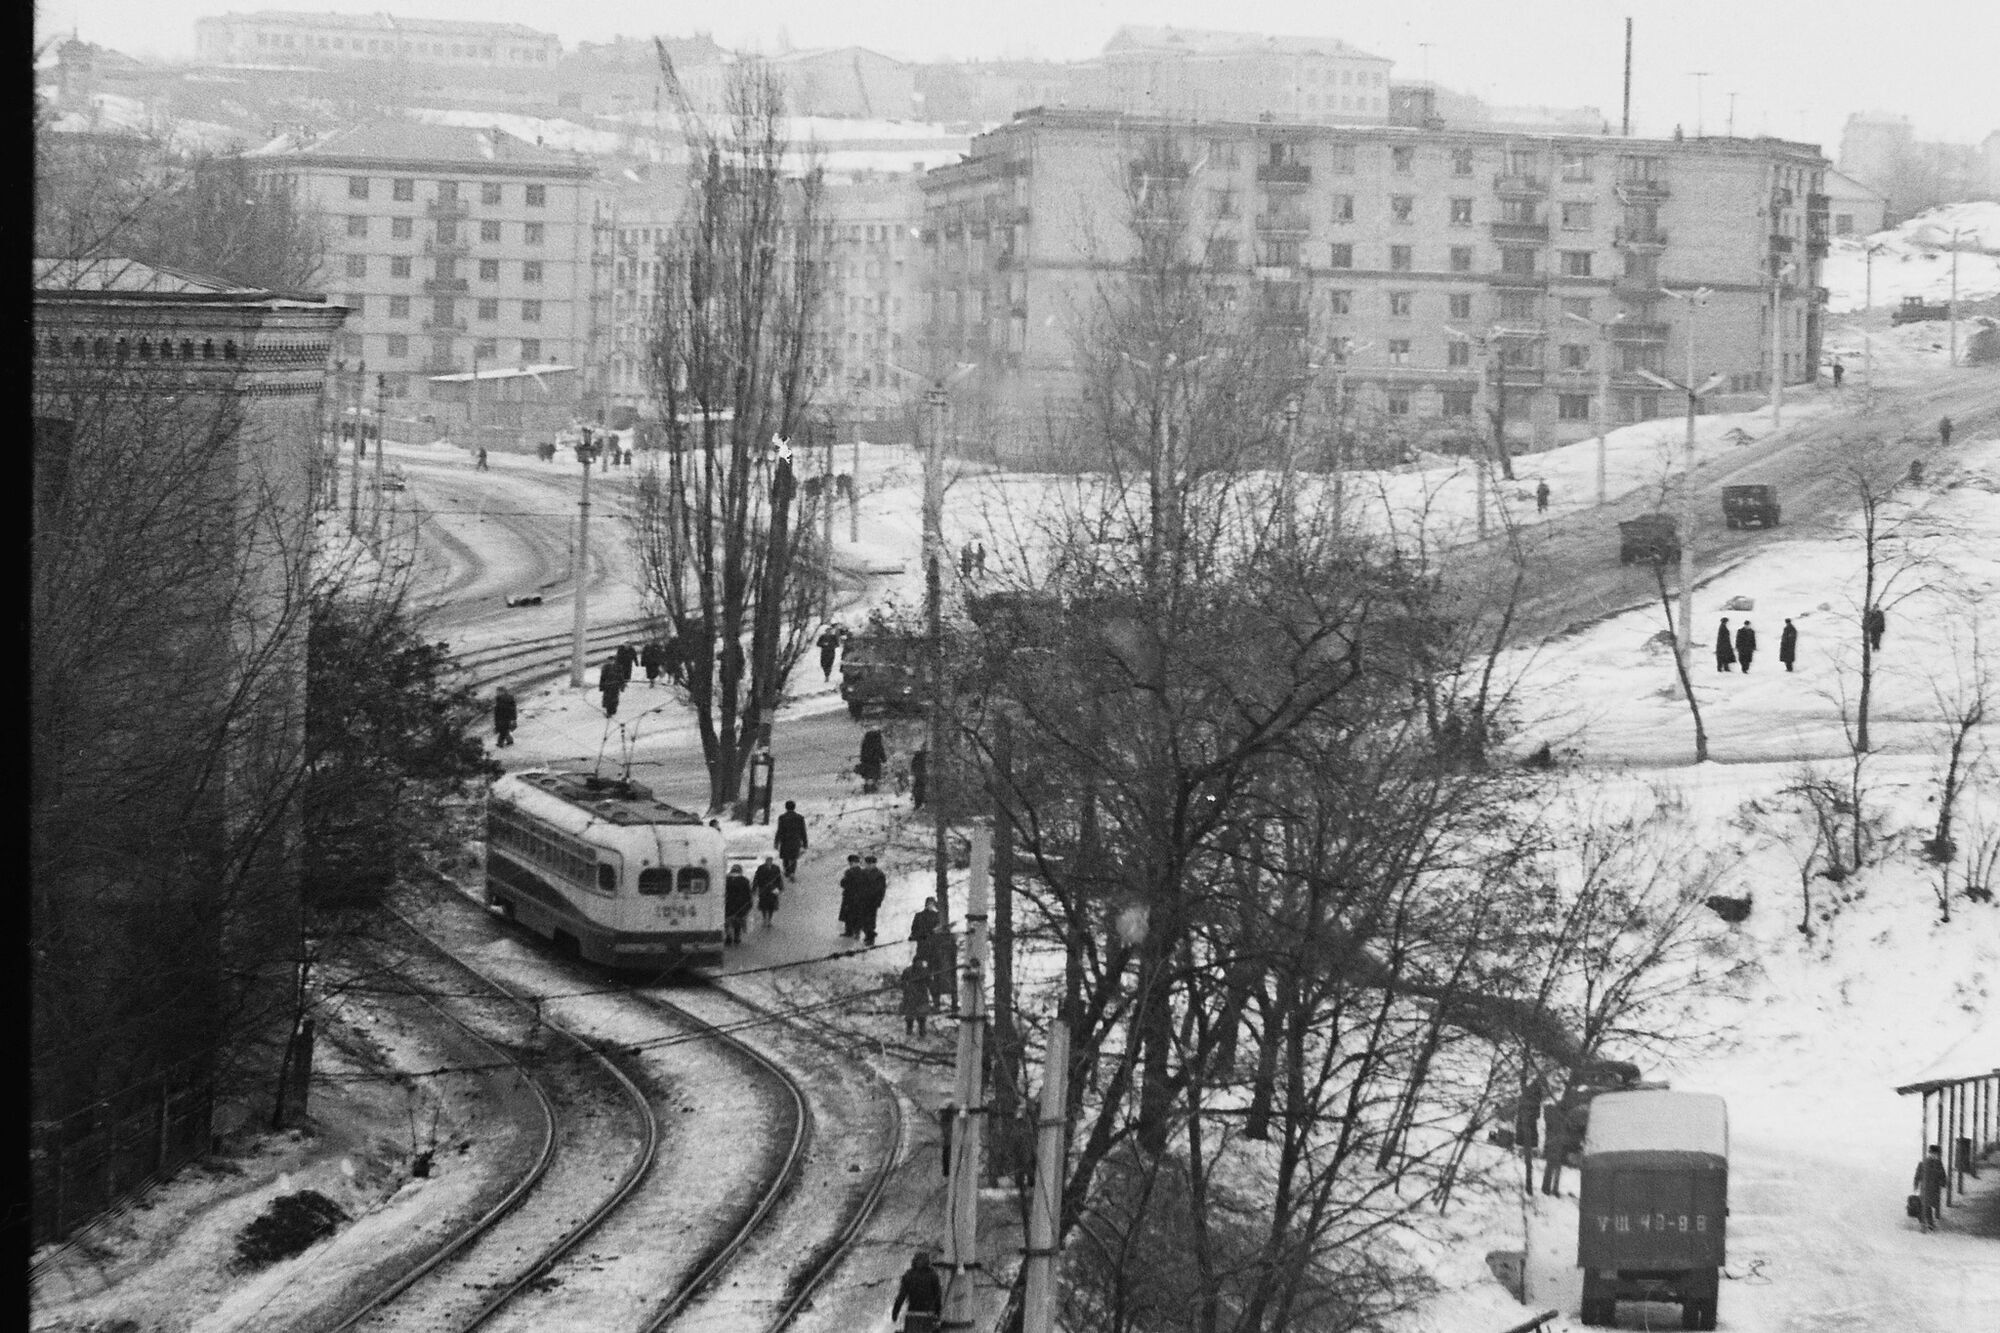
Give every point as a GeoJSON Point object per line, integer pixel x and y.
{"type": "Point", "coordinates": [450, 244]}
{"type": "Point", "coordinates": [1852, 208]}
{"type": "Point", "coordinates": [623, 77]}
{"type": "Point", "coordinates": [875, 263]}
{"type": "Point", "coordinates": [1215, 75]}
{"type": "Point", "coordinates": [846, 81]}
{"type": "Point", "coordinates": [1338, 236]}
{"type": "Point", "coordinates": [284, 36]}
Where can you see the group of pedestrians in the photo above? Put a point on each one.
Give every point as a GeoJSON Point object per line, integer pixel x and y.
{"type": "Point", "coordinates": [972, 560]}
{"type": "Point", "coordinates": [863, 886]}
{"type": "Point", "coordinates": [740, 892]}
{"type": "Point", "coordinates": [926, 982]}
{"type": "Point", "coordinates": [1740, 648]}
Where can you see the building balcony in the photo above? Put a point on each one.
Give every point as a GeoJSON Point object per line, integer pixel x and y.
{"type": "Point", "coordinates": [1642, 187]}
{"type": "Point", "coordinates": [1159, 171]}
{"type": "Point", "coordinates": [441, 365]}
{"type": "Point", "coordinates": [1520, 184]}
{"type": "Point", "coordinates": [448, 208]}
{"type": "Point", "coordinates": [1816, 247]}
{"type": "Point", "coordinates": [1780, 198]}
{"type": "Point", "coordinates": [1293, 322]}
{"type": "Point", "coordinates": [1520, 231]}
{"type": "Point", "coordinates": [444, 326]}
{"type": "Point", "coordinates": [1284, 224]}
{"type": "Point", "coordinates": [1537, 281]}
{"type": "Point", "coordinates": [1636, 288]}
{"type": "Point", "coordinates": [437, 247]}
{"type": "Point", "coordinates": [1007, 259]}
{"type": "Point", "coordinates": [1522, 377]}
{"type": "Point", "coordinates": [1284, 173]}
{"type": "Point", "coordinates": [1640, 333]}
{"type": "Point", "coordinates": [1639, 238]}
{"type": "Point", "coordinates": [446, 285]}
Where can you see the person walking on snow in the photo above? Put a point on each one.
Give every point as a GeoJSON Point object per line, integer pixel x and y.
{"type": "Point", "coordinates": [851, 881]}
{"type": "Point", "coordinates": [610, 681]}
{"type": "Point", "coordinates": [481, 465]}
{"type": "Point", "coordinates": [829, 645]}
{"type": "Point", "coordinates": [920, 769]}
{"type": "Point", "coordinates": [875, 887]}
{"type": "Point", "coordinates": [505, 711]}
{"type": "Point", "coordinates": [1725, 648]}
{"type": "Point", "coordinates": [1874, 625]}
{"type": "Point", "coordinates": [923, 1293]}
{"type": "Point", "coordinates": [769, 883]}
{"type": "Point", "coordinates": [791, 840]}
{"type": "Point", "coordinates": [874, 758]}
{"type": "Point", "coordinates": [1788, 645]}
{"type": "Point", "coordinates": [1944, 430]}
{"type": "Point", "coordinates": [923, 925]}
{"type": "Point", "coordinates": [736, 899]}
{"type": "Point", "coordinates": [651, 659]}
{"type": "Point", "coordinates": [916, 1003]}
{"type": "Point", "coordinates": [1839, 372]}
{"type": "Point", "coordinates": [1929, 1185]}
{"type": "Point", "coordinates": [1542, 498]}
{"type": "Point", "coordinates": [1746, 646]}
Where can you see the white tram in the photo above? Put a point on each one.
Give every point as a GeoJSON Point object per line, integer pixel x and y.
{"type": "Point", "coordinates": [605, 871]}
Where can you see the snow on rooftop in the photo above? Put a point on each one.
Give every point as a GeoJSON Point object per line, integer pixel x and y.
{"type": "Point", "coordinates": [1657, 1121]}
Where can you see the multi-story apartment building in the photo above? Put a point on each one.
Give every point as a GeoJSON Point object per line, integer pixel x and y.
{"type": "Point", "coordinates": [875, 270]}
{"type": "Point", "coordinates": [639, 208]}
{"type": "Point", "coordinates": [274, 35]}
{"type": "Point", "coordinates": [448, 244]}
{"type": "Point", "coordinates": [1428, 263]}
{"type": "Point", "coordinates": [1240, 76]}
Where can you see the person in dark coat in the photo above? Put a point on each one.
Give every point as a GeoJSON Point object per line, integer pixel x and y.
{"type": "Point", "coordinates": [923, 925]}
{"type": "Point", "coordinates": [941, 951]}
{"type": "Point", "coordinates": [1875, 624]}
{"type": "Point", "coordinates": [505, 713]}
{"type": "Point", "coordinates": [979, 559]}
{"type": "Point", "coordinates": [1542, 498]}
{"type": "Point", "coordinates": [923, 1293]}
{"type": "Point", "coordinates": [920, 769]}
{"type": "Point", "coordinates": [610, 682]}
{"type": "Point", "coordinates": [480, 466]}
{"type": "Point", "coordinates": [1839, 372]}
{"type": "Point", "coordinates": [875, 887]}
{"type": "Point", "coordinates": [791, 840]}
{"type": "Point", "coordinates": [1746, 646]}
{"type": "Point", "coordinates": [851, 881]}
{"type": "Point", "coordinates": [769, 882]}
{"type": "Point", "coordinates": [874, 758]}
{"type": "Point", "coordinates": [1788, 645]}
{"type": "Point", "coordinates": [737, 896]}
{"type": "Point", "coordinates": [1944, 430]}
{"type": "Point", "coordinates": [1725, 647]}
{"type": "Point", "coordinates": [1929, 1184]}
{"type": "Point", "coordinates": [916, 1004]}
{"type": "Point", "coordinates": [829, 648]}
{"type": "Point", "coordinates": [628, 657]}
{"type": "Point", "coordinates": [650, 659]}
{"type": "Point", "coordinates": [1558, 1121]}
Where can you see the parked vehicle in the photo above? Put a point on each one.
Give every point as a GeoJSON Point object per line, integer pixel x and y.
{"type": "Point", "coordinates": [1745, 506]}
{"type": "Point", "coordinates": [885, 671]}
{"type": "Point", "coordinates": [1915, 310]}
{"type": "Point", "coordinates": [1654, 1203]}
{"type": "Point", "coordinates": [1651, 538]}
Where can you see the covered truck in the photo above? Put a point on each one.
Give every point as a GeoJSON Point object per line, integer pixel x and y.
{"type": "Point", "coordinates": [1654, 1204]}
{"type": "Point", "coordinates": [885, 670]}
{"type": "Point", "coordinates": [1649, 539]}
{"type": "Point", "coordinates": [1744, 506]}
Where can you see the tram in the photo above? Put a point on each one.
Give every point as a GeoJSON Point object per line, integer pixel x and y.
{"type": "Point", "coordinates": [604, 871]}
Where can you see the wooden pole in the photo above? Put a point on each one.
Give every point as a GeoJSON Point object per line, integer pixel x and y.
{"type": "Point", "coordinates": [1045, 1208]}
{"type": "Point", "coordinates": [962, 1199]}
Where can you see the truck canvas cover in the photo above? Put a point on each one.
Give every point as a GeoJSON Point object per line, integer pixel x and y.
{"type": "Point", "coordinates": [1655, 1182]}
{"type": "Point", "coordinates": [1658, 1121]}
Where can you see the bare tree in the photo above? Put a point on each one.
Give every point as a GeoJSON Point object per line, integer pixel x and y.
{"type": "Point", "coordinates": [1962, 710]}
{"type": "Point", "coordinates": [725, 546]}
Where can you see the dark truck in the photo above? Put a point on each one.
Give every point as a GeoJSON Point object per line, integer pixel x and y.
{"type": "Point", "coordinates": [1649, 539]}
{"type": "Point", "coordinates": [1915, 310]}
{"type": "Point", "coordinates": [886, 671]}
{"type": "Point", "coordinates": [1745, 506]}
{"type": "Point", "coordinates": [1654, 1203]}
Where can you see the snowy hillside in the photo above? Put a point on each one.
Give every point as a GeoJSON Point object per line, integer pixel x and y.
{"type": "Point", "coordinates": [1915, 259]}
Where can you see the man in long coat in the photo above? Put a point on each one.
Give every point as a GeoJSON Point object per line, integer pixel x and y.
{"type": "Point", "coordinates": [1788, 645]}
{"type": "Point", "coordinates": [875, 887]}
{"type": "Point", "coordinates": [851, 881]}
{"type": "Point", "coordinates": [1746, 645]}
{"type": "Point", "coordinates": [791, 839]}
{"type": "Point", "coordinates": [1725, 648]}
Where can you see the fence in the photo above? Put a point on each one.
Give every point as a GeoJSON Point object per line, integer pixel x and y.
{"type": "Point", "coordinates": [83, 1165]}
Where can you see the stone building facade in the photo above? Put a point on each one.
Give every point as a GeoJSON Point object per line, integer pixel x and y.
{"type": "Point", "coordinates": [274, 36]}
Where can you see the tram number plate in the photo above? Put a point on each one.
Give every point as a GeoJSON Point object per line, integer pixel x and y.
{"type": "Point", "coordinates": [675, 912]}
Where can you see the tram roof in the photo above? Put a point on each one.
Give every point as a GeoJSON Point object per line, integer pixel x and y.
{"type": "Point", "coordinates": [615, 800]}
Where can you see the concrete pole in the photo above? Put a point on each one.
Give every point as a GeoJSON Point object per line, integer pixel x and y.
{"type": "Point", "coordinates": [961, 1249]}
{"type": "Point", "coordinates": [1868, 313]}
{"type": "Point", "coordinates": [1951, 311]}
{"type": "Point", "coordinates": [1603, 407]}
{"type": "Point", "coordinates": [1339, 439]}
{"type": "Point", "coordinates": [360, 450]}
{"type": "Point", "coordinates": [1480, 420]}
{"type": "Point", "coordinates": [826, 517]}
{"type": "Point", "coordinates": [1777, 350]}
{"type": "Point", "coordinates": [580, 573]}
{"type": "Point", "coordinates": [934, 403]}
{"type": "Point", "coordinates": [1684, 639]}
{"type": "Point", "coordinates": [1045, 1208]}
{"type": "Point", "coordinates": [375, 513]}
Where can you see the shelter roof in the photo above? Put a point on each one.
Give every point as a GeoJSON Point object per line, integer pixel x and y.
{"type": "Point", "coordinates": [416, 141]}
{"type": "Point", "coordinates": [1975, 1056]}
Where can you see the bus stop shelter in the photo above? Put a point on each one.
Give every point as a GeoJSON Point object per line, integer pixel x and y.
{"type": "Point", "coordinates": [1961, 1107]}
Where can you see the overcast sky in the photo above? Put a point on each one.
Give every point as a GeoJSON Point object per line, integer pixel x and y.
{"type": "Point", "coordinates": [1795, 67]}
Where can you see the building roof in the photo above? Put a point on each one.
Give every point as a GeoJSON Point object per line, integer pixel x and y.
{"type": "Point", "coordinates": [818, 53]}
{"type": "Point", "coordinates": [381, 22]}
{"type": "Point", "coordinates": [115, 278]}
{"type": "Point", "coordinates": [1136, 38]}
{"type": "Point", "coordinates": [534, 372]}
{"type": "Point", "coordinates": [1843, 186]}
{"type": "Point", "coordinates": [406, 141]}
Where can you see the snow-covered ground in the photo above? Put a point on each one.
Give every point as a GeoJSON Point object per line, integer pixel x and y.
{"type": "Point", "coordinates": [1915, 259]}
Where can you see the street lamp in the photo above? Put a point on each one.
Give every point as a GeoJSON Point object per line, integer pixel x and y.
{"type": "Point", "coordinates": [1603, 327]}
{"type": "Point", "coordinates": [1777, 342]}
{"type": "Point", "coordinates": [586, 454]}
{"type": "Point", "coordinates": [1683, 640]}
{"type": "Point", "coordinates": [1867, 312]}
{"type": "Point", "coordinates": [1495, 336]}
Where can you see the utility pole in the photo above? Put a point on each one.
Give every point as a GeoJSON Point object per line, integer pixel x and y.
{"type": "Point", "coordinates": [586, 453]}
{"type": "Point", "coordinates": [936, 400]}
{"type": "Point", "coordinates": [1625, 125]}
{"type": "Point", "coordinates": [1683, 632]}
{"type": "Point", "coordinates": [472, 404]}
{"type": "Point", "coordinates": [826, 513]}
{"type": "Point", "coordinates": [1045, 1207]}
{"type": "Point", "coordinates": [381, 389]}
{"type": "Point", "coordinates": [1778, 343]}
{"type": "Point", "coordinates": [854, 483]}
{"type": "Point", "coordinates": [1951, 310]}
{"type": "Point", "coordinates": [961, 1249]}
{"type": "Point", "coordinates": [360, 449]}
{"type": "Point", "coordinates": [1868, 313]}
{"type": "Point", "coordinates": [1604, 346]}
{"type": "Point", "coordinates": [1479, 421]}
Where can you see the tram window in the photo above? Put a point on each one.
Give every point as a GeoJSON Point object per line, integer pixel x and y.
{"type": "Point", "coordinates": [607, 878]}
{"type": "Point", "coordinates": [694, 880]}
{"type": "Point", "coordinates": [656, 880]}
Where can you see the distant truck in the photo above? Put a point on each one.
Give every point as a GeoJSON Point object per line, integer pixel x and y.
{"type": "Point", "coordinates": [1654, 1204]}
{"type": "Point", "coordinates": [1746, 506]}
{"type": "Point", "coordinates": [887, 671]}
{"type": "Point", "coordinates": [1649, 539]}
{"type": "Point", "coordinates": [1915, 310]}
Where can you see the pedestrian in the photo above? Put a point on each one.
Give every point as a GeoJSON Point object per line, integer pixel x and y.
{"type": "Point", "coordinates": [923, 1293]}
{"type": "Point", "coordinates": [979, 559]}
{"type": "Point", "coordinates": [1788, 645]}
{"type": "Point", "coordinates": [769, 883]}
{"type": "Point", "coordinates": [941, 960]}
{"type": "Point", "coordinates": [1542, 497]}
{"type": "Point", "coordinates": [851, 881]}
{"type": "Point", "coordinates": [1559, 1121]}
{"type": "Point", "coordinates": [829, 645]}
{"type": "Point", "coordinates": [1746, 646]}
{"type": "Point", "coordinates": [1916, 477]}
{"type": "Point", "coordinates": [737, 896]}
{"type": "Point", "coordinates": [482, 460]}
{"type": "Point", "coordinates": [965, 561]}
{"type": "Point", "coordinates": [920, 767]}
{"type": "Point", "coordinates": [505, 712]}
{"type": "Point", "coordinates": [916, 1006]}
{"type": "Point", "coordinates": [1929, 1185]}
{"type": "Point", "coordinates": [1944, 430]}
{"type": "Point", "coordinates": [609, 683]}
{"type": "Point", "coordinates": [1873, 625]}
{"type": "Point", "coordinates": [791, 840]}
{"type": "Point", "coordinates": [628, 657]}
{"type": "Point", "coordinates": [1725, 649]}
{"type": "Point", "coordinates": [652, 660]}
{"type": "Point", "coordinates": [875, 887]}
{"type": "Point", "coordinates": [1839, 372]}
{"type": "Point", "coordinates": [923, 925]}
{"type": "Point", "coordinates": [874, 758]}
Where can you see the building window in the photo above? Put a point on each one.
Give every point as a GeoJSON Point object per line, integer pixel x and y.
{"type": "Point", "coordinates": [1222, 203]}
{"type": "Point", "coordinates": [1517, 259]}
{"type": "Point", "coordinates": [1461, 305]}
{"type": "Point", "coordinates": [1461, 161]}
{"type": "Point", "coordinates": [1461, 212]}
{"type": "Point", "coordinates": [1518, 353]}
{"type": "Point", "coordinates": [1343, 158]}
{"type": "Point", "coordinates": [403, 190]}
{"type": "Point", "coordinates": [538, 196]}
{"type": "Point", "coordinates": [1576, 305]}
{"type": "Point", "coordinates": [533, 232]}
{"type": "Point", "coordinates": [1275, 254]}
{"type": "Point", "coordinates": [1457, 402]}
{"type": "Point", "coordinates": [447, 233]}
{"type": "Point", "coordinates": [486, 349]}
{"type": "Point", "coordinates": [357, 266]}
{"type": "Point", "coordinates": [1343, 208]}
{"type": "Point", "coordinates": [531, 271]}
{"type": "Point", "coordinates": [531, 349]}
{"type": "Point", "coordinates": [1522, 211]}
{"type": "Point", "coordinates": [1397, 402]}
{"type": "Point", "coordinates": [1640, 406]}
{"type": "Point", "coordinates": [1461, 259]}
{"type": "Point", "coordinates": [447, 192]}
{"type": "Point", "coordinates": [1340, 302]}
{"type": "Point", "coordinates": [1222, 154]}
{"type": "Point", "coordinates": [357, 187]}
{"type": "Point", "coordinates": [1517, 305]}
{"type": "Point", "coordinates": [1573, 406]}
{"type": "Point", "coordinates": [1399, 351]}
{"type": "Point", "coordinates": [1403, 161]}
{"type": "Point", "coordinates": [489, 231]}
{"type": "Point", "coordinates": [357, 226]}
{"type": "Point", "coordinates": [1400, 303]}
{"type": "Point", "coordinates": [399, 266]}
{"type": "Point", "coordinates": [399, 307]}
{"type": "Point", "coordinates": [1402, 207]}
{"type": "Point", "coordinates": [447, 268]}
{"type": "Point", "coordinates": [1400, 258]}
{"type": "Point", "coordinates": [531, 311]}
{"type": "Point", "coordinates": [1576, 263]}
{"type": "Point", "coordinates": [1575, 356]}
{"type": "Point", "coordinates": [356, 303]}
{"type": "Point", "coordinates": [1843, 224]}
{"type": "Point", "coordinates": [399, 344]}
{"type": "Point", "coordinates": [1340, 255]}
{"type": "Point", "coordinates": [1575, 165]}
{"type": "Point", "coordinates": [1575, 217]}
{"type": "Point", "coordinates": [489, 193]}
{"type": "Point", "coordinates": [1222, 252]}
{"type": "Point", "coordinates": [1458, 353]}
{"type": "Point", "coordinates": [401, 229]}
{"type": "Point", "coordinates": [489, 270]}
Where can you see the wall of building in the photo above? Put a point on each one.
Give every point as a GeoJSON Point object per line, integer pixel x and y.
{"type": "Point", "coordinates": [271, 35]}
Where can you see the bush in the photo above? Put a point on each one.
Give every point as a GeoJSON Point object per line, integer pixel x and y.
{"type": "Point", "coordinates": [292, 1223]}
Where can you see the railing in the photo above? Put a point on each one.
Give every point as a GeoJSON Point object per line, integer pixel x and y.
{"type": "Point", "coordinates": [1642, 187]}
{"type": "Point", "coordinates": [1781, 245]}
{"type": "Point", "coordinates": [1639, 237]}
{"type": "Point", "coordinates": [447, 208]}
{"type": "Point", "coordinates": [446, 285]}
{"type": "Point", "coordinates": [1519, 183]}
{"type": "Point", "coordinates": [1640, 333]}
{"type": "Point", "coordinates": [1506, 279]}
{"type": "Point", "coordinates": [1284, 173]}
{"type": "Point", "coordinates": [1520, 231]}
{"type": "Point", "coordinates": [1284, 224]}
{"type": "Point", "coordinates": [1158, 169]}
{"type": "Point", "coordinates": [444, 326]}
{"type": "Point", "coordinates": [436, 247]}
